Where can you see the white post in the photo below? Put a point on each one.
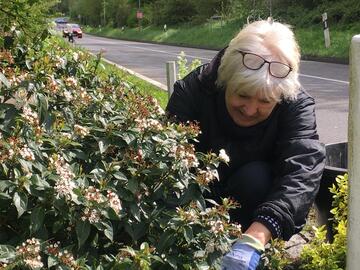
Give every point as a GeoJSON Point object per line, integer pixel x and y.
{"type": "Point", "coordinates": [353, 232]}
{"type": "Point", "coordinates": [170, 76]}
{"type": "Point", "coordinates": [326, 30]}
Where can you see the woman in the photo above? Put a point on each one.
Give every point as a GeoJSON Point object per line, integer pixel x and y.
{"type": "Point", "coordinates": [249, 101]}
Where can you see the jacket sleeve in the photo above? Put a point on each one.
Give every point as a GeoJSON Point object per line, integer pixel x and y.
{"type": "Point", "coordinates": [299, 163]}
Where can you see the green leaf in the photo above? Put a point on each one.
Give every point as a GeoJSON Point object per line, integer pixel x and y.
{"type": "Point", "coordinates": [82, 231]}
{"type": "Point", "coordinates": [133, 185]}
{"type": "Point", "coordinates": [10, 116]}
{"type": "Point", "coordinates": [4, 184]}
{"type": "Point", "coordinates": [120, 176]}
{"type": "Point", "coordinates": [166, 240]}
{"type": "Point", "coordinates": [4, 196]}
{"type": "Point", "coordinates": [52, 261]}
{"type": "Point", "coordinates": [43, 107]}
{"type": "Point", "coordinates": [7, 253]}
{"type": "Point", "coordinates": [135, 211]}
{"type": "Point", "coordinates": [4, 80]}
{"type": "Point", "coordinates": [188, 234]}
{"type": "Point", "coordinates": [37, 219]}
{"type": "Point", "coordinates": [109, 231]}
{"type": "Point", "coordinates": [103, 145]}
{"type": "Point", "coordinates": [20, 202]}
{"type": "Point", "coordinates": [128, 137]}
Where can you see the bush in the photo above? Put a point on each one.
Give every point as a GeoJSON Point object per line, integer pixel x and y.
{"type": "Point", "coordinates": [183, 67]}
{"type": "Point", "coordinates": [320, 254]}
{"type": "Point", "coordinates": [92, 176]}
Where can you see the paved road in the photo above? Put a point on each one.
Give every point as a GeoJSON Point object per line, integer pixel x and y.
{"type": "Point", "coordinates": [326, 82]}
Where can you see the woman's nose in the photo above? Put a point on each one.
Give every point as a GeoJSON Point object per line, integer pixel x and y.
{"type": "Point", "coordinates": [251, 108]}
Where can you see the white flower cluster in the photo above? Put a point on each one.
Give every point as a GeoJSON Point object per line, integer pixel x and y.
{"type": "Point", "coordinates": [26, 153]}
{"type": "Point", "coordinates": [71, 82]}
{"type": "Point", "coordinates": [68, 96]}
{"type": "Point", "coordinates": [186, 155]}
{"type": "Point", "coordinates": [223, 156]}
{"type": "Point", "coordinates": [92, 215]}
{"type": "Point", "coordinates": [149, 123]}
{"type": "Point", "coordinates": [189, 216]}
{"type": "Point", "coordinates": [15, 80]}
{"type": "Point", "coordinates": [21, 95]}
{"type": "Point", "coordinates": [30, 253]}
{"type": "Point", "coordinates": [68, 259]}
{"type": "Point", "coordinates": [84, 97]}
{"type": "Point", "coordinates": [75, 56]}
{"type": "Point", "coordinates": [94, 194]}
{"type": "Point", "coordinates": [235, 230]}
{"type": "Point", "coordinates": [65, 184]}
{"type": "Point", "coordinates": [159, 110]}
{"type": "Point", "coordinates": [156, 105]}
{"type": "Point", "coordinates": [31, 117]}
{"type": "Point", "coordinates": [207, 176]}
{"type": "Point", "coordinates": [59, 61]}
{"type": "Point", "coordinates": [64, 256]}
{"type": "Point", "coordinates": [114, 201]}
{"type": "Point", "coordinates": [53, 85]}
{"type": "Point", "coordinates": [81, 131]}
{"type": "Point", "coordinates": [216, 226]}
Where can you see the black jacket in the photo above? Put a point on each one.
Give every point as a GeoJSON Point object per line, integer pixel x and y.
{"type": "Point", "coordinates": [288, 140]}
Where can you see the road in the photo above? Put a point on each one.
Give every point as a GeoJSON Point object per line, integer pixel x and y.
{"type": "Point", "coordinates": [326, 82]}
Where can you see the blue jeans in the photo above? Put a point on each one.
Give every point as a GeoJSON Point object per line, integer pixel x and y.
{"type": "Point", "coordinates": [249, 186]}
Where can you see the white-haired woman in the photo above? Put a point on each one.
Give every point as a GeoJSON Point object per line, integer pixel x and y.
{"type": "Point", "coordinates": [248, 101]}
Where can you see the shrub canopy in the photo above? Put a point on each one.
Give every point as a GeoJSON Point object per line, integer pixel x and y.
{"type": "Point", "coordinates": [92, 173]}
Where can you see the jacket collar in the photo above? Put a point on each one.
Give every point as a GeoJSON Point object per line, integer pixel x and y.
{"type": "Point", "coordinates": [209, 74]}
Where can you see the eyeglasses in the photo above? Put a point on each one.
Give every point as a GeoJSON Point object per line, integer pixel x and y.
{"type": "Point", "coordinates": [255, 62]}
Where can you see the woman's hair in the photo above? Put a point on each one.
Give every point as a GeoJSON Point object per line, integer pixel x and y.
{"type": "Point", "coordinates": [275, 42]}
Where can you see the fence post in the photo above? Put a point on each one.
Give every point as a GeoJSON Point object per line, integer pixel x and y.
{"type": "Point", "coordinates": [353, 232]}
{"type": "Point", "coordinates": [326, 30]}
{"type": "Point", "coordinates": [170, 76]}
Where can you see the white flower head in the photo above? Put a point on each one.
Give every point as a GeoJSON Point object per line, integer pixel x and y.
{"type": "Point", "coordinates": [223, 156]}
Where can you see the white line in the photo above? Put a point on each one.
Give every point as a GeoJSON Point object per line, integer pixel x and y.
{"type": "Point", "coordinates": [164, 52]}
{"type": "Point", "coordinates": [322, 78]}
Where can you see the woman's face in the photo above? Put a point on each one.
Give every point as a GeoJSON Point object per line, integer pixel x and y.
{"type": "Point", "coordinates": [247, 111]}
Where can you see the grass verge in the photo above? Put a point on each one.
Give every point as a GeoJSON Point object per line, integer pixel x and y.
{"type": "Point", "coordinates": [143, 86]}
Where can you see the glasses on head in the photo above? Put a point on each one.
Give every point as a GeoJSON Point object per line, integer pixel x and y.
{"type": "Point", "coordinates": [255, 62]}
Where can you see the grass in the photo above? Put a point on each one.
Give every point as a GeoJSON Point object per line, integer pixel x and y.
{"type": "Point", "coordinates": [143, 86]}
{"type": "Point", "coordinates": [211, 35]}
{"type": "Point", "coordinates": [216, 35]}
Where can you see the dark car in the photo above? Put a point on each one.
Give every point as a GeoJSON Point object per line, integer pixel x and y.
{"type": "Point", "coordinates": [74, 29]}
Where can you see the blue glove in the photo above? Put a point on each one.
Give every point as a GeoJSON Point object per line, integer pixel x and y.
{"type": "Point", "coordinates": [244, 254]}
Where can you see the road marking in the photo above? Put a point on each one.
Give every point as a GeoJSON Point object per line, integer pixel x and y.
{"type": "Point", "coordinates": [164, 52]}
{"type": "Point", "coordinates": [322, 78]}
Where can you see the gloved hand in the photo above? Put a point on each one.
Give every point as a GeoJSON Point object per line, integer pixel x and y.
{"type": "Point", "coordinates": [244, 254]}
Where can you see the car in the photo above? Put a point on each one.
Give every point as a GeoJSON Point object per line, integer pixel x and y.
{"type": "Point", "coordinates": [74, 29]}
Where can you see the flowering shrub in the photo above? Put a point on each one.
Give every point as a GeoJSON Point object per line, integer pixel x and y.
{"type": "Point", "coordinates": [92, 176]}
